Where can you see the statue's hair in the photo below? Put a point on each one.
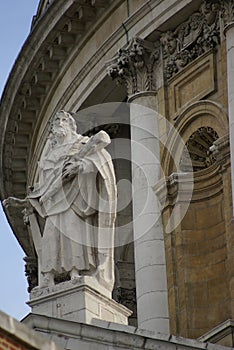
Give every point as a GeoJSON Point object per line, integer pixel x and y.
{"type": "Point", "coordinates": [71, 122]}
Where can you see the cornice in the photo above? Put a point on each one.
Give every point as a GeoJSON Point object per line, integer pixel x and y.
{"type": "Point", "coordinates": [42, 7]}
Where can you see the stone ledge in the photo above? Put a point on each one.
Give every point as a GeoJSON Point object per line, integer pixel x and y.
{"type": "Point", "coordinates": [106, 334]}
{"type": "Point", "coordinates": [221, 334]}
{"type": "Point", "coordinates": [66, 287]}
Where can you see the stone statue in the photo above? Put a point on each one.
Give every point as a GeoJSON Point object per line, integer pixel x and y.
{"type": "Point", "coordinates": [76, 196]}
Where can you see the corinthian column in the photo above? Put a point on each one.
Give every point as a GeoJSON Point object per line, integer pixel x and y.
{"type": "Point", "coordinates": [135, 67]}
{"type": "Point", "coordinates": [228, 18]}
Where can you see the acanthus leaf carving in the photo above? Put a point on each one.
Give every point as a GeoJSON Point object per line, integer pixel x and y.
{"type": "Point", "coordinates": [134, 66]}
{"type": "Point", "coordinates": [227, 12]}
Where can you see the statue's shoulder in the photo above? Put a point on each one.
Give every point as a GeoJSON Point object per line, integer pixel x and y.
{"type": "Point", "coordinates": [81, 140]}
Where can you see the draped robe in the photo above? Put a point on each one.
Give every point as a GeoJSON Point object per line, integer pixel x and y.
{"type": "Point", "coordinates": [79, 211]}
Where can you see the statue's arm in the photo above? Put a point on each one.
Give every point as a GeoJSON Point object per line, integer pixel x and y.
{"type": "Point", "coordinates": [94, 144]}
{"type": "Point", "coordinates": [16, 202]}
{"type": "Point", "coordinates": [101, 139]}
{"type": "Point", "coordinates": [74, 164]}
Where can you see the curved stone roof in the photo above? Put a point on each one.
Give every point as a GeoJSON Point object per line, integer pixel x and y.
{"type": "Point", "coordinates": [42, 7]}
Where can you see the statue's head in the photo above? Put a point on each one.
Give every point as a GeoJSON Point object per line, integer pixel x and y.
{"type": "Point", "coordinates": [168, 41]}
{"type": "Point", "coordinates": [63, 126]}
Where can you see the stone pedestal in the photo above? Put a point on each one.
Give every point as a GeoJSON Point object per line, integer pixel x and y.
{"type": "Point", "coordinates": [78, 301]}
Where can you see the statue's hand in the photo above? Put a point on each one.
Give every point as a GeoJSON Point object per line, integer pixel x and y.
{"type": "Point", "coordinates": [71, 169]}
{"type": "Point", "coordinates": [14, 202]}
{"type": "Point", "coordinates": [6, 202]}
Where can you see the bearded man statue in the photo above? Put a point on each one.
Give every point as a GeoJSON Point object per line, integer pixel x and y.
{"type": "Point", "coordinates": [76, 196]}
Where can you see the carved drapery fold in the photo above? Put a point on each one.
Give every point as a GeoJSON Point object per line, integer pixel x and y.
{"type": "Point", "coordinates": [134, 66]}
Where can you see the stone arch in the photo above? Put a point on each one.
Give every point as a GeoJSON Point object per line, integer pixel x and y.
{"type": "Point", "coordinates": [195, 243]}
{"type": "Point", "coordinates": [201, 114]}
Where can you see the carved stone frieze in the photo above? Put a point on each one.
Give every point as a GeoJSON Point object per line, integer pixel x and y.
{"type": "Point", "coordinates": [134, 66]}
{"type": "Point", "coordinates": [191, 38]}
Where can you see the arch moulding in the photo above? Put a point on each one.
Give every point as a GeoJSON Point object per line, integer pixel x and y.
{"type": "Point", "coordinates": [205, 113]}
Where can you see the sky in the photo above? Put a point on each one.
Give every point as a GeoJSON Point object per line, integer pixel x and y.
{"type": "Point", "coordinates": [15, 23]}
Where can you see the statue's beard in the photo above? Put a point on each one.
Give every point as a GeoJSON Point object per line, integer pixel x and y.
{"type": "Point", "coordinates": [60, 133]}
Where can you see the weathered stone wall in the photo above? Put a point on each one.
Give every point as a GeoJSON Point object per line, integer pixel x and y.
{"type": "Point", "coordinates": [109, 336]}
{"type": "Point", "coordinates": [198, 254]}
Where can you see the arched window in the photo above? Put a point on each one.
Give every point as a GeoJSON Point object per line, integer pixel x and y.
{"type": "Point", "coordinates": [198, 150]}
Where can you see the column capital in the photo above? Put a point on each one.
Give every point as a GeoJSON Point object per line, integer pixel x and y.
{"type": "Point", "coordinates": [134, 65]}
{"type": "Point", "coordinates": [228, 14]}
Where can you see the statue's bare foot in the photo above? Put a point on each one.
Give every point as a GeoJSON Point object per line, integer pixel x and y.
{"type": "Point", "coordinates": [47, 280]}
{"type": "Point", "coordinates": [75, 276]}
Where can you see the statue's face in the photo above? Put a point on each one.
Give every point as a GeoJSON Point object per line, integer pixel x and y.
{"type": "Point", "coordinates": [169, 43]}
{"type": "Point", "coordinates": [61, 125]}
